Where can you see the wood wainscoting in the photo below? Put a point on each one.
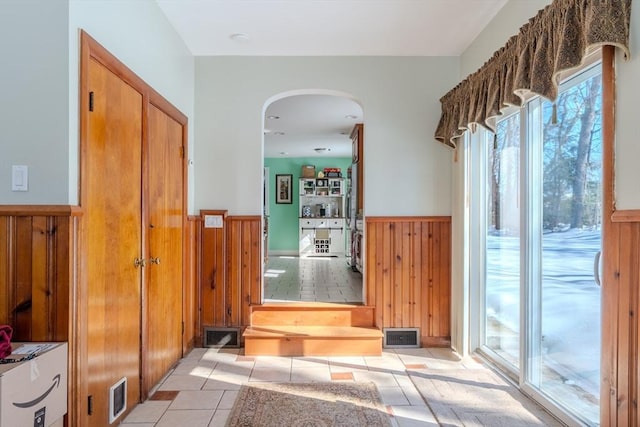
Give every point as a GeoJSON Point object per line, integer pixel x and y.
{"type": "Point", "coordinates": [230, 270]}
{"type": "Point", "coordinates": [35, 252]}
{"type": "Point", "coordinates": [190, 336]}
{"type": "Point", "coordinates": [621, 324]}
{"type": "Point", "coordinates": [408, 274]}
{"type": "Point", "coordinates": [38, 280]}
{"type": "Point", "coordinates": [244, 274]}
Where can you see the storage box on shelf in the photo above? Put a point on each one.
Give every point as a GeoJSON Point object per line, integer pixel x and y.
{"type": "Point", "coordinates": [308, 171]}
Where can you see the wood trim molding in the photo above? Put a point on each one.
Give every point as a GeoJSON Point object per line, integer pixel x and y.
{"type": "Point", "coordinates": [628, 215]}
{"type": "Point", "coordinates": [610, 404]}
{"type": "Point", "coordinates": [244, 218]}
{"type": "Point", "coordinates": [40, 210]}
{"type": "Point", "coordinates": [372, 219]}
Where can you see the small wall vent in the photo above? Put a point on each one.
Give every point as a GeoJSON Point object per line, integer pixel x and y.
{"type": "Point", "coordinates": [401, 337]}
{"type": "Point", "coordinates": [222, 337]}
{"type": "Point", "coordinates": [117, 399]}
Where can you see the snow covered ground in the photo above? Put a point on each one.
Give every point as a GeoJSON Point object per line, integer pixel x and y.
{"type": "Point", "coordinates": [570, 307]}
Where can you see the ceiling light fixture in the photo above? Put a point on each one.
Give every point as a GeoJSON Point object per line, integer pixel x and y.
{"type": "Point", "coordinates": [278, 133]}
{"type": "Point", "coordinates": [350, 116]}
{"type": "Point", "coordinates": [321, 149]}
{"type": "Point", "coordinates": [239, 37]}
{"type": "Point", "coordinates": [273, 117]}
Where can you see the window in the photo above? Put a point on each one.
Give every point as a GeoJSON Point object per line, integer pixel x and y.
{"type": "Point", "coordinates": [502, 242]}
{"type": "Point", "coordinates": [537, 223]}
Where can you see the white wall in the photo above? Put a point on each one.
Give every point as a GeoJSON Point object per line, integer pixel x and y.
{"type": "Point", "coordinates": [39, 82]}
{"type": "Point", "coordinates": [139, 35]}
{"type": "Point", "coordinates": [628, 121]}
{"type": "Point", "coordinates": [505, 24]}
{"type": "Point", "coordinates": [34, 99]}
{"type": "Point", "coordinates": [406, 171]}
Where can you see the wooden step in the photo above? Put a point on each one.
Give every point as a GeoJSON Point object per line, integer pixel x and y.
{"type": "Point", "coordinates": [291, 340]}
{"type": "Point", "coordinates": [312, 314]}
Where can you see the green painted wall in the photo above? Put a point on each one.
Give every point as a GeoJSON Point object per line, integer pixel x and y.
{"type": "Point", "coordinates": [283, 218]}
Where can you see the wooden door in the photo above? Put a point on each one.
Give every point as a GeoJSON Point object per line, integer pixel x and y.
{"type": "Point", "coordinates": [111, 234]}
{"type": "Point", "coordinates": [162, 322]}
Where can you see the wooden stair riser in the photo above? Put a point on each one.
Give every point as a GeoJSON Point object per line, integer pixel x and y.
{"type": "Point", "coordinates": [362, 317]}
{"type": "Point", "coordinates": [314, 329]}
{"type": "Point", "coordinates": [311, 346]}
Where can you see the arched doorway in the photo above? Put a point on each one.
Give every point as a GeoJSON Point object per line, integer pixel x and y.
{"type": "Point", "coordinates": [308, 213]}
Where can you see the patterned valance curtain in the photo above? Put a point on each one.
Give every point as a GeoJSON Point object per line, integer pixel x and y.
{"type": "Point", "coordinates": [557, 39]}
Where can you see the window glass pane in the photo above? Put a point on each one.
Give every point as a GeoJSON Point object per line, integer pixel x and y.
{"type": "Point", "coordinates": [568, 366]}
{"type": "Point", "coordinates": [502, 280]}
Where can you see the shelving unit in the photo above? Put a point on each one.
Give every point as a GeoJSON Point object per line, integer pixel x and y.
{"type": "Point", "coordinates": [322, 221]}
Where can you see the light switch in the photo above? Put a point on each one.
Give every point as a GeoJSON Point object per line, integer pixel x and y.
{"type": "Point", "coordinates": [19, 178]}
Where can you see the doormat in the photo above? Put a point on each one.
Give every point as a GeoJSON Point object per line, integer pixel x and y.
{"type": "Point", "coordinates": [308, 404]}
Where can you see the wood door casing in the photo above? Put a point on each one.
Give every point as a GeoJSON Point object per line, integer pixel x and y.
{"type": "Point", "coordinates": [162, 313]}
{"type": "Point", "coordinates": [357, 138]}
{"type": "Point", "coordinates": [111, 233]}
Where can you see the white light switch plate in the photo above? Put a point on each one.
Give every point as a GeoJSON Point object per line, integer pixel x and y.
{"type": "Point", "coordinates": [213, 221]}
{"type": "Point", "coordinates": [19, 178]}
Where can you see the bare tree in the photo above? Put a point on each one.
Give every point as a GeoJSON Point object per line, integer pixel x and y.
{"type": "Point", "coordinates": [588, 117]}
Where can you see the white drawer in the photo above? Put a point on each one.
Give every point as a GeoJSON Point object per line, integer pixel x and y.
{"type": "Point", "coordinates": [336, 223]}
{"type": "Point", "coordinates": [313, 223]}
{"type": "Point", "coordinates": [307, 223]}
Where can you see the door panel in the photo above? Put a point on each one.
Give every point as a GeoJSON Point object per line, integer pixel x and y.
{"type": "Point", "coordinates": [111, 233]}
{"type": "Point", "coordinates": [569, 295]}
{"type": "Point", "coordinates": [502, 244]}
{"type": "Point", "coordinates": [163, 310]}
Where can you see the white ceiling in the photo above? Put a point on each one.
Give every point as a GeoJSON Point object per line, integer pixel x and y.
{"type": "Point", "coordinates": [325, 28]}
{"type": "Point", "coordinates": [309, 122]}
{"type": "Point", "coordinates": [330, 27]}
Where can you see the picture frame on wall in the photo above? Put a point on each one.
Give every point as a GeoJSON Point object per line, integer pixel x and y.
{"type": "Point", "coordinates": [284, 190]}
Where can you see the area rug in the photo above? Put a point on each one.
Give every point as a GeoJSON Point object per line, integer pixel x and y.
{"type": "Point", "coordinates": [336, 404]}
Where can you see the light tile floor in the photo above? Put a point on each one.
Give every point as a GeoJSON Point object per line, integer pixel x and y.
{"type": "Point", "coordinates": [326, 279]}
{"type": "Point", "coordinates": [201, 390]}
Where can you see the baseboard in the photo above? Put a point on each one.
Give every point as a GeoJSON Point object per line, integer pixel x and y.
{"type": "Point", "coordinates": [283, 253]}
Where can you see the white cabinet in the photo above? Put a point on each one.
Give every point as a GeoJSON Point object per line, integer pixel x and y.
{"type": "Point", "coordinates": [322, 221]}
{"type": "Point", "coordinates": [322, 236]}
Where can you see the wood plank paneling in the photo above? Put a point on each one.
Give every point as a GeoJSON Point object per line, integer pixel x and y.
{"type": "Point", "coordinates": [212, 271]}
{"type": "Point", "coordinates": [621, 305]}
{"type": "Point", "coordinates": [244, 243]}
{"type": "Point", "coordinates": [6, 247]}
{"type": "Point", "coordinates": [230, 270]}
{"type": "Point", "coordinates": [191, 337]}
{"type": "Point", "coordinates": [408, 274]}
{"type": "Point", "coordinates": [34, 274]}
{"type": "Point", "coordinates": [38, 250]}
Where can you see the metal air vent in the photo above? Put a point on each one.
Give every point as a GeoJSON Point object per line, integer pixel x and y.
{"type": "Point", "coordinates": [222, 337]}
{"type": "Point", "coordinates": [117, 399]}
{"type": "Point", "coordinates": [401, 337]}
